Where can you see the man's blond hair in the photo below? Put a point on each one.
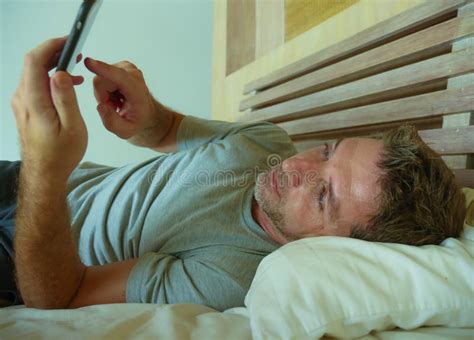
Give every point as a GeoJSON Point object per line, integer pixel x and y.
{"type": "Point", "coordinates": [420, 201]}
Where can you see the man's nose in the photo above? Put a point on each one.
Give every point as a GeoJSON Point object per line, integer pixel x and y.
{"type": "Point", "coordinates": [295, 168]}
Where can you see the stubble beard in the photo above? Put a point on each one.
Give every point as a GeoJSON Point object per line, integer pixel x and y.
{"type": "Point", "coordinates": [271, 207]}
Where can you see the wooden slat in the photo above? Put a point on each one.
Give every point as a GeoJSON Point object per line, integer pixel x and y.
{"type": "Point", "coordinates": [305, 142]}
{"type": "Point", "coordinates": [450, 141]}
{"type": "Point", "coordinates": [400, 93]}
{"type": "Point", "coordinates": [409, 49]}
{"type": "Point", "coordinates": [465, 177]}
{"type": "Point", "coordinates": [465, 118]}
{"type": "Point", "coordinates": [370, 89]}
{"type": "Point", "coordinates": [376, 34]}
{"type": "Point", "coordinates": [426, 105]}
{"type": "Point", "coordinates": [456, 120]}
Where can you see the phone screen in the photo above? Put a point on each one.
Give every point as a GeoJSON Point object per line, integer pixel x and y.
{"type": "Point", "coordinates": [81, 27]}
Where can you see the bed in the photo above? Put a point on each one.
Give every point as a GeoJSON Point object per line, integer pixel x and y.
{"type": "Point", "coordinates": [343, 288]}
{"type": "Point", "coordinates": [356, 293]}
{"type": "Point", "coordinates": [416, 67]}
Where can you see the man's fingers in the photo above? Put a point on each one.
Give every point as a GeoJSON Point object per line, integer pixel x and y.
{"type": "Point", "coordinates": [112, 73]}
{"type": "Point", "coordinates": [102, 88]}
{"type": "Point", "coordinates": [64, 99]}
{"type": "Point", "coordinates": [126, 65]}
{"type": "Point", "coordinates": [37, 63]}
{"type": "Point", "coordinates": [36, 89]}
{"type": "Point", "coordinates": [55, 60]}
{"type": "Point", "coordinates": [113, 122]}
{"type": "Point", "coordinates": [45, 52]}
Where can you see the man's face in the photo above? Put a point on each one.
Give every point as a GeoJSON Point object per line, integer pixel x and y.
{"type": "Point", "coordinates": [320, 192]}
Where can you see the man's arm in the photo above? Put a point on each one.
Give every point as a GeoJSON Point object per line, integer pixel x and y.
{"type": "Point", "coordinates": [49, 271]}
{"type": "Point", "coordinates": [48, 267]}
{"type": "Point", "coordinates": [53, 140]}
{"type": "Point", "coordinates": [161, 135]}
{"type": "Point", "coordinates": [103, 284]}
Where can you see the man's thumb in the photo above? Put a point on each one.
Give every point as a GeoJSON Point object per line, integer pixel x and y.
{"type": "Point", "coordinates": [64, 99]}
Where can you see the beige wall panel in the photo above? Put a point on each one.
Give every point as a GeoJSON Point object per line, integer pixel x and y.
{"type": "Point", "coordinates": [240, 33]}
{"type": "Point", "coordinates": [270, 19]}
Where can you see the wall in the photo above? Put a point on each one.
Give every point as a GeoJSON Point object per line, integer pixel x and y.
{"type": "Point", "coordinates": [227, 89]}
{"type": "Point", "coordinates": [170, 40]}
{"type": "Point", "coordinates": [255, 27]}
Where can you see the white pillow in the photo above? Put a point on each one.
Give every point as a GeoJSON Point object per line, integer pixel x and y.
{"type": "Point", "coordinates": [344, 287]}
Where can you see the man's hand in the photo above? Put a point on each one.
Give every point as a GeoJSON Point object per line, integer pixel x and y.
{"type": "Point", "coordinates": [52, 132]}
{"type": "Point", "coordinates": [124, 101]}
{"type": "Point", "coordinates": [128, 109]}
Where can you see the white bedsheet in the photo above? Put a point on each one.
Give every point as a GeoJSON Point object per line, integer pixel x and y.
{"type": "Point", "coordinates": [138, 321]}
{"type": "Point", "coordinates": [125, 321]}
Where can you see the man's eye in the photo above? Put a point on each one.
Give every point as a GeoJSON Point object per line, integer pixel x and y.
{"type": "Point", "coordinates": [326, 151]}
{"type": "Point", "coordinates": [322, 195]}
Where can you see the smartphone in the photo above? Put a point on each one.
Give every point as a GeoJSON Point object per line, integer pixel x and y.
{"type": "Point", "coordinates": [82, 25]}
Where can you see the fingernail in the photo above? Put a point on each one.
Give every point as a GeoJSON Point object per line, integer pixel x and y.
{"type": "Point", "coordinates": [61, 81]}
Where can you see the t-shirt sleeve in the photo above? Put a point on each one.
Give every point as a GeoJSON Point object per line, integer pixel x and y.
{"type": "Point", "coordinates": [194, 132]}
{"type": "Point", "coordinates": [160, 278]}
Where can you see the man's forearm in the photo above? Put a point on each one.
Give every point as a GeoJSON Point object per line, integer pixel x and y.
{"type": "Point", "coordinates": [48, 266]}
{"type": "Point", "coordinates": [161, 133]}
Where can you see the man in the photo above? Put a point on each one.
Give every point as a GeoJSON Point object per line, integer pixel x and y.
{"type": "Point", "coordinates": [190, 226]}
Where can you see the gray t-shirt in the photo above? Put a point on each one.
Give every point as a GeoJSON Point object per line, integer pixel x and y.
{"type": "Point", "coordinates": [186, 215]}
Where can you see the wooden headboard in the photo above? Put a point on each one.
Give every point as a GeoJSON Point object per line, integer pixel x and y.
{"type": "Point", "coordinates": [416, 67]}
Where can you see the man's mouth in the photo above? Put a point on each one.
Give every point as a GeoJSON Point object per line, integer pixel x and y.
{"type": "Point", "coordinates": [274, 179]}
